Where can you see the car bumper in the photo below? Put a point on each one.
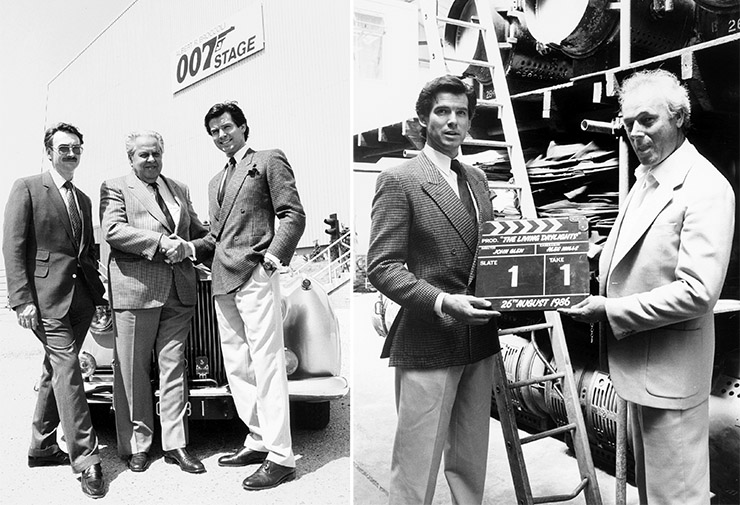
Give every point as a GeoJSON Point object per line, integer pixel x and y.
{"type": "Point", "coordinates": [315, 389]}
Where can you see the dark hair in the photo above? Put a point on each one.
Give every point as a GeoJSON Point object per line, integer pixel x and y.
{"type": "Point", "coordinates": [232, 108]}
{"type": "Point", "coordinates": [444, 84]}
{"type": "Point", "coordinates": [60, 127]}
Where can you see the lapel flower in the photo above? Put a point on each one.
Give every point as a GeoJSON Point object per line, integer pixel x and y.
{"type": "Point", "coordinates": [253, 172]}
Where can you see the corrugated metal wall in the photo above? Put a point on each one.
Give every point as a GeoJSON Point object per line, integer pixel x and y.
{"type": "Point", "coordinates": [295, 94]}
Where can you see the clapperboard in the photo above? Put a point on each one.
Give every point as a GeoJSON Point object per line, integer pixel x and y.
{"type": "Point", "coordinates": [533, 264]}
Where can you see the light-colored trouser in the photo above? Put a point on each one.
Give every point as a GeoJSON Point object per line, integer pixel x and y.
{"type": "Point", "coordinates": [441, 410]}
{"type": "Point", "coordinates": [671, 450]}
{"type": "Point", "coordinates": [251, 328]}
{"type": "Point", "coordinates": [138, 331]}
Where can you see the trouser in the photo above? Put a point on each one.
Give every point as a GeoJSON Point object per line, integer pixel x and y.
{"type": "Point", "coordinates": [444, 410]}
{"type": "Point", "coordinates": [250, 324]}
{"type": "Point", "coordinates": [671, 450]}
{"type": "Point", "coordinates": [138, 331]}
{"type": "Point", "coordinates": [61, 395]}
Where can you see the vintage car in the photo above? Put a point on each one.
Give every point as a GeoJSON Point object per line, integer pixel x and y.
{"type": "Point", "coordinates": [313, 355]}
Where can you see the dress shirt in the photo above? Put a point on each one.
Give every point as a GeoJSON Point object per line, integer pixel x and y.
{"type": "Point", "coordinates": [168, 198]}
{"type": "Point", "coordinates": [646, 184]}
{"type": "Point", "coordinates": [59, 183]}
{"type": "Point", "coordinates": [442, 163]}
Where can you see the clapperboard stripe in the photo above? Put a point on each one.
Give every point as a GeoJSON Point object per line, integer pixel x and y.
{"type": "Point", "coordinates": [516, 226]}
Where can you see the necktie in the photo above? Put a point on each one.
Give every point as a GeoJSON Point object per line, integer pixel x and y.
{"type": "Point", "coordinates": [462, 187]}
{"type": "Point", "coordinates": [74, 214]}
{"type": "Point", "coordinates": [227, 178]}
{"type": "Point", "coordinates": [163, 206]}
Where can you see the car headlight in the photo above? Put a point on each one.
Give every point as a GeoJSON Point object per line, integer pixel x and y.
{"type": "Point", "coordinates": [102, 321]}
{"type": "Point", "coordinates": [87, 364]}
{"type": "Point", "coordinates": [291, 361]}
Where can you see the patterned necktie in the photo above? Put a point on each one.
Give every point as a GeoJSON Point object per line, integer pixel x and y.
{"type": "Point", "coordinates": [462, 187]}
{"type": "Point", "coordinates": [163, 206]}
{"type": "Point", "coordinates": [74, 214]}
{"type": "Point", "coordinates": [227, 178]}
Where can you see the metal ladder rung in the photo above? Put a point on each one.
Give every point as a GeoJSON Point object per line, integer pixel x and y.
{"type": "Point", "coordinates": [488, 104]}
{"type": "Point", "coordinates": [476, 63]}
{"type": "Point", "coordinates": [537, 380]}
{"type": "Point", "coordinates": [555, 431]}
{"type": "Point", "coordinates": [461, 23]}
{"type": "Point", "coordinates": [498, 144]}
{"type": "Point", "coordinates": [561, 497]}
{"type": "Point", "coordinates": [525, 329]}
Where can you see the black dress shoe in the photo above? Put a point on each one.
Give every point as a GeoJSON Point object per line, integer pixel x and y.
{"type": "Point", "coordinates": [58, 458]}
{"type": "Point", "coordinates": [242, 457]}
{"type": "Point", "coordinates": [184, 460]}
{"type": "Point", "coordinates": [93, 483]}
{"type": "Point", "coordinates": [139, 462]}
{"type": "Point", "coordinates": [269, 475]}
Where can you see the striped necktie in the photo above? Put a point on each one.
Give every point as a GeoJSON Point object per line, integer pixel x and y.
{"type": "Point", "coordinates": [74, 214]}
{"type": "Point", "coordinates": [462, 188]}
{"type": "Point", "coordinates": [163, 206]}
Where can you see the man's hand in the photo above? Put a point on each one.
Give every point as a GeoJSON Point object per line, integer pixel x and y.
{"type": "Point", "coordinates": [590, 310]}
{"type": "Point", "coordinates": [468, 309]}
{"type": "Point", "coordinates": [175, 248]}
{"type": "Point", "coordinates": [28, 316]}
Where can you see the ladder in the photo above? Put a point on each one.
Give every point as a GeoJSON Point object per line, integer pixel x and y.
{"type": "Point", "coordinates": [563, 371]}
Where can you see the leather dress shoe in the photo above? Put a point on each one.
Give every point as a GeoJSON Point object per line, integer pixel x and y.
{"type": "Point", "coordinates": [93, 483]}
{"type": "Point", "coordinates": [242, 457]}
{"type": "Point", "coordinates": [183, 459]}
{"type": "Point", "coordinates": [139, 462]}
{"type": "Point", "coordinates": [58, 458]}
{"type": "Point", "coordinates": [269, 475]}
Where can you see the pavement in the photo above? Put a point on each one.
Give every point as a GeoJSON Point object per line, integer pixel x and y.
{"type": "Point", "coordinates": [323, 457]}
{"type": "Point", "coordinates": [552, 470]}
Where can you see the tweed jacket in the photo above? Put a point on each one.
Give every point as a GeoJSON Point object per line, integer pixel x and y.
{"type": "Point", "coordinates": [423, 243]}
{"type": "Point", "coordinates": [42, 259]}
{"type": "Point", "coordinates": [665, 282]}
{"type": "Point", "coordinates": [133, 224]}
{"type": "Point", "coordinates": [243, 226]}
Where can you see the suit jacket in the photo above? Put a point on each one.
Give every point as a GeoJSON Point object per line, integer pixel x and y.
{"type": "Point", "coordinates": [42, 259]}
{"type": "Point", "coordinates": [243, 226]}
{"type": "Point", "coordinates": [663, 287]}
{"type": "Point", "coordinates": [132, 224]}
{"type": "Point", "coordinates": [423, 243]}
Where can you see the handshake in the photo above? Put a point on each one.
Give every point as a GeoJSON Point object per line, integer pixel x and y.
{"type": "Point", "coordinates": [175, 248]}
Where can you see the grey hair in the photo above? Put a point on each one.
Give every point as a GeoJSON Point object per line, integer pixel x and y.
{"type": "Point", "coordinates": [131, 140]}
{"type": "Point", "coordinates": [676, 95]}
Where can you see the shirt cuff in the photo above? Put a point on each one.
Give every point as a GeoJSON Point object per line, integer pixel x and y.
{"type": "Point", "coordinates": [191, 256]}
{"type": "Point", "coordinates": [438, 304]}
{"type": "Point", "coordinates": [273, 259]}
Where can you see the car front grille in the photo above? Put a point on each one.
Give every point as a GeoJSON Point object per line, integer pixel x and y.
{"type": "Point", "coordinates": [204, 357]}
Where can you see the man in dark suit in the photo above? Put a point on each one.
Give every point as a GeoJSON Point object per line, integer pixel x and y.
{"type": "Point", "coordinates": [54, 287]}
{"type": "Point", "coordinates": [148, 220]}
{"type": "Point", "coordinates": [423, 242]}
{"type": "Point", "coordinates": [660, 274]}
{"type": "Point", "coordinates": [245, 197]}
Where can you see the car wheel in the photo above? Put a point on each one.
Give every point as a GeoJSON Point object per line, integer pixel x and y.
{"type": "Point", "coordinates": [310, 415]}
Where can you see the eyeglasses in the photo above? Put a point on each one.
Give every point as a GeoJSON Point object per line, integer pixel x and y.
{"type": "Point", "coordinates": [65, 149]}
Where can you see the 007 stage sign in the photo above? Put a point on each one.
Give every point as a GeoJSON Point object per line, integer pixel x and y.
{"type": "Point", "coordinates": [223, 45]}
{"type": "Point", "coordinates": [533, 264]}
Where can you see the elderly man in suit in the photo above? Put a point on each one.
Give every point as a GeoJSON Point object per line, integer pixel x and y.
{"type": "Point", "coordinates": [423, 242]}
{"type": "Point", "coordinates": [148, 219]}
{"type": "Point", "coordinates": [661, 271]}
{"type": "Point", "coordinates": [54, 287]}
{"type": "Point", "coordinates": [245, 197]}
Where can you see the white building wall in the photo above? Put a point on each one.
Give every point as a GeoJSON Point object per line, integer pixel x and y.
{"type": "Point", "coordinates": [295, 94]}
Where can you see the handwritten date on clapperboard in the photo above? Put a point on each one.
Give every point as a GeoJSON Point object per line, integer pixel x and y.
{"type": "Point", "coordinates": [533, 264]}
